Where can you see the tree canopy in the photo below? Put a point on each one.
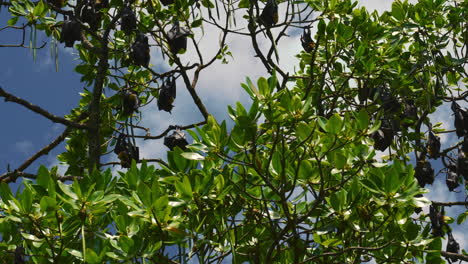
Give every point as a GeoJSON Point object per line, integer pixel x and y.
{"type": "Point", "coordinates": [329, 162]}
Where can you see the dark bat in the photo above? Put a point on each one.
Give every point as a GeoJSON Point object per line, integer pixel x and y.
{"type": "Point", "coordinates": [433, 145]}
{"type": "Point", "coordinates": [452, 177]}
{"type": "Point", "coordinates": [140, 53]}
{"type": "Point", "coordinates": [365, 92]}
{"type": "Point", "coordinates": [177, 38]}
{"type": "Point", "coordinates": [121, 144]}
{"type": "Point", "coordinates": [128, 21]}
{"type": "Point", "coordinates": [389, 103]}
{"type": "Point", "coordinates": [452, 246]}
{"type": "Point", "coordinates": [410, 110]}
{"type": "Point", "coordinates": [424, 172]}
{"type": "Point", "coordinates": [437, 220]}
{"type": "Point", "coordinates": [130, 102]}
{"type": "Point", "coordinates": [461, 119]}
{"type": "Point", "coordinates": [306, 40]}
{"type": "Point", "coordinates": [71, 32]}
{"type": "Point", "coordinates": [384, 136]}
{"type": "Point", "coordinates": [167, 95]}
{"type": "Point", "coordinates": [462, 164]}
{"type": "Point", "coordinates": [126, 151]}
{"type": "Point", "coordinates": [269, 15]}
{"type": "Point", "coordinates": [177, 139]}
{"type": "Point", "coordinates": [465, 144]}
{"type": "Point", "coordinates": [90, 14]}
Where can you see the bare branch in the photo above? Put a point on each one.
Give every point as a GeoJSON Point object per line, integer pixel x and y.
{"type": "Point", "coordinates": [454, 255]}
{"type": "Point", "coordinates": [56, 119]}
{"type": "Point", "coordinates": [450, 203]}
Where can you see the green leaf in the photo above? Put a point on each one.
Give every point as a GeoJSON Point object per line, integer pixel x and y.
{"type": "Point", "coordinates": [244, 3]}
{"type": "Point", "coordinates": [92, 257]}
{"type": "Point", "coordinates": [67, 190]}
{"type": "Point", "coordinates": [39, 9]}
{"type": "Point", "coordinates": [433, 254]}
{"type": "Point", "coordinates": [331, 242]}
{"type": "Point", "coordinates": [126, 244]}
{"type": "Point", "coordinates": [303, 131]}
{"type": "Point", "coordinates": [192, 156]}
{"type": "Point", "coordinates": [391, 181]}
{"type": "Point", "coordinates": [184, 188]}
{"type": "Point", "coordinates": [263, 87]}
{"type": "Point", "coordinates": [322, 121]}
{"type": "Point", "coordinates": [75, 253]}
{"type": "Point", "coordinates": [462, 217]}
{"type": "Point", "coordinates": [196, 23]}
{"type": "Point", "coordinates": [361, 50]}
{"type": "Point", "coordinates": [12, 21]}
{"type": "Point", "coordinates": [321, 27]}
{"type": "Point", "coordinates": [362, 119]}
{"type": "Point", "coordinates": [5, 192]}
{"type": "Point", "coordinates": [27, 198]}
{"type": "Point", "coordinates": [334, 124]}
{"type": "Point", "coordinates": [397, 10]}
{"type": "Point", "coordinates": [340, 160]}
{"type": "Point", "coordinates": [17, 9]}
{"type": "Point", "coordinates": [43, 177]}
{"type": "Point", "coordinates": [144, 192]}
{"type": "Point", "coordinates": [48, 204]}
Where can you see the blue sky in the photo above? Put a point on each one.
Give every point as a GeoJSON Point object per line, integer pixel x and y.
{"type": "Point", "coordinates": [25, 132]}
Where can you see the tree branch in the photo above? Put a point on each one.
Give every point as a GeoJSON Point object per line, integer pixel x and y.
{"type": "Point", "coordinates": [56, 119]}
{"type": "Point", "coordinates": [450, 203]}
{"type": "Point", "coordinates": [454, 255]}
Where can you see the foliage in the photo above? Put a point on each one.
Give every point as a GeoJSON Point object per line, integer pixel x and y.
{"type": "Point", "coordinates": [296, 179]}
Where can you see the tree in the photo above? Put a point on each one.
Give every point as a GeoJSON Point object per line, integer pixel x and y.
{"type": "Point", "coordinates": [296, 177]}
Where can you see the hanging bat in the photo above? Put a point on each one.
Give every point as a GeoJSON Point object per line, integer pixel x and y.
{"type": "Point", "coordinates": [90, 14]}
{"type": "Point", "coordinates": [424, 172]}
{"type": "Point", "coordinates": [365, 92]}
{"type": "Point", "coordinates": [306, 40]}
{"type": "Point", "coordinates": [389, 103]}
{"type": "Point", "coordinates": [126, 151]}
{"type": "Point", "coordinates": [167, 95]}
{"type": "Point", "coordinates": [452, 177]}
{"type": "Point", "coordinates": [130, 102]}
{"type": "Point", "coordinates": [410, 112]}
{"type": "Point", "coordinates": [452, 246]}
{"type": "Point", "coordinates": [71, 32]}
{"type": "Point", "coordinates": [140, 52]}
{"type": "Point", "coordinates": [461, 119]}
{"type": "Point", "coordinates": [177, 38]}
{"type": "Point", "coordinates": [383, 137]}
{"type": "Point", "coordinates": [437, 220]}
{"type": "Point", "coordinates": [269, 15]}
{"type": "Point", "coordinates": [177, 139]}
{"type": "Point", "coordinates": [433, 145]}
{"type": "Point", "coordinates": [462, 164]}
{"type": "Point", "coordinates": [128, 21]}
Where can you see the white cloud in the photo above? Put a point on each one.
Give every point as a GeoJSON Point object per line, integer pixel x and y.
{"type": "Point", "coordinates": [24, 147]}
